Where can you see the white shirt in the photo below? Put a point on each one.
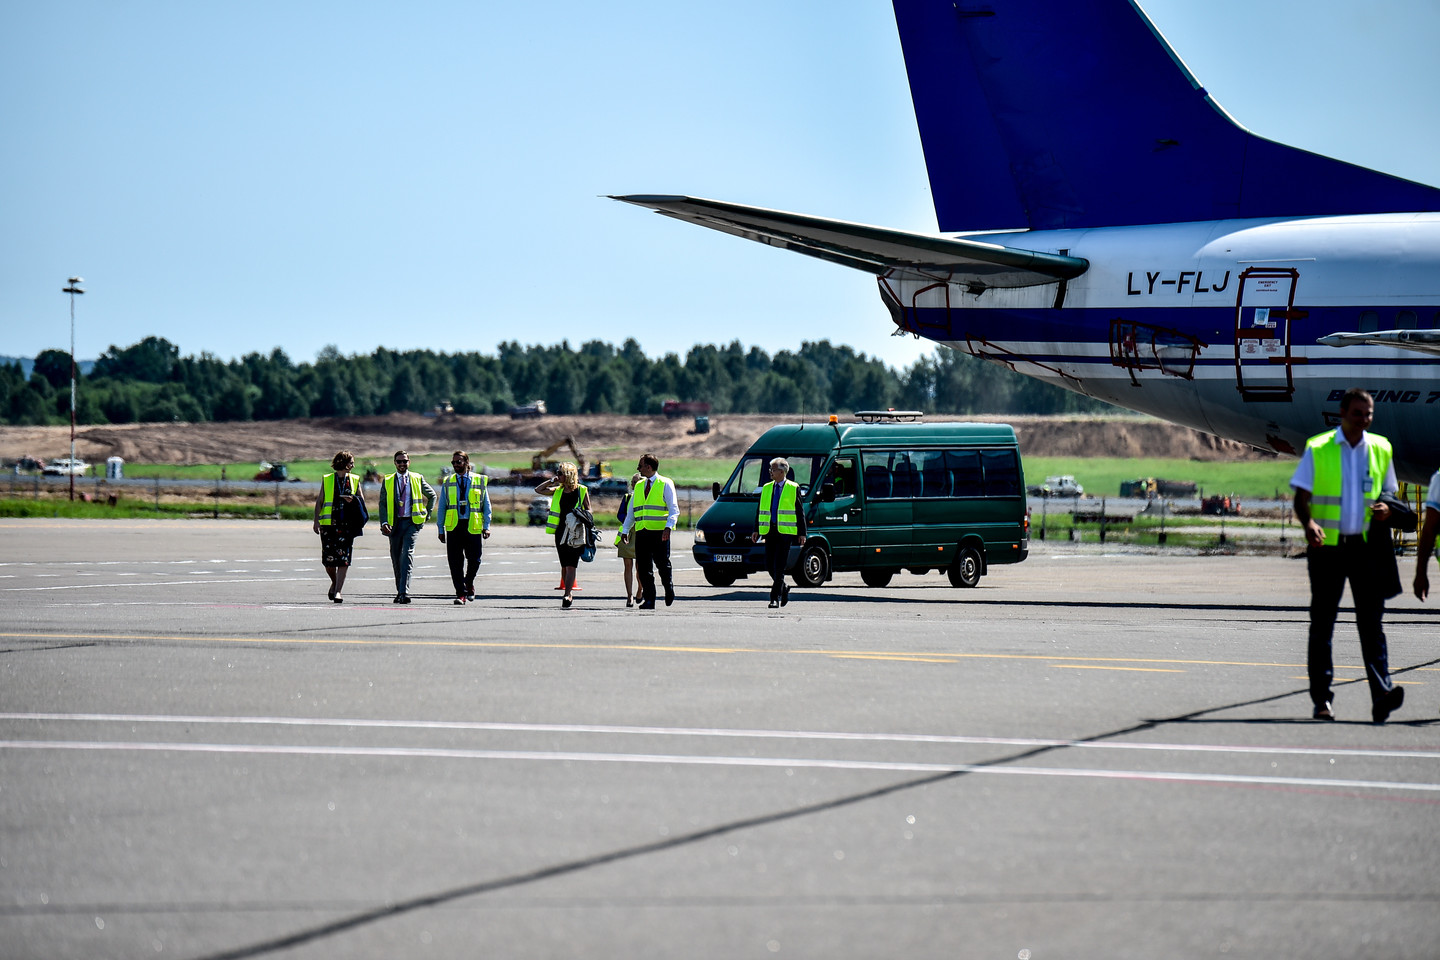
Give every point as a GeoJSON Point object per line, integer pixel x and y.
{"type": "Point", "coordinates": [1354, 476]}
{"type": "Point", "coordinates": [1432, 496]}
{"type": "Point", "coordinates": [672, 505]}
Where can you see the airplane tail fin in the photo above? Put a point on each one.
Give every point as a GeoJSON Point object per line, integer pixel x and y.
{"type": "Point", "coordinates": [1051, 114]}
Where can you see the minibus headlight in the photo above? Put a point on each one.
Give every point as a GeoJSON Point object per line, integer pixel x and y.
{"type": "Point", "coordinates": [699, 535]}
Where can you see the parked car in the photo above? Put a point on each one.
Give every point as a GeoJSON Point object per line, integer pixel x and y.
{"type": "Point", "coordinates": [539, 511]}
{"type": "Point", "coordinates": [608, 485]}
{"type": "Point", "coordinates": [65, 467]}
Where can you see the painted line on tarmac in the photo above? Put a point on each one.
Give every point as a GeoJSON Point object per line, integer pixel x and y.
{"type": "Point", "coordinates": [1091, 666]}
{"type": "Point", "coordinates": [919, 655]}
{"type": "Point", "coordinates": [715, 732]}
{"type": "Point", "coordinates": [809, 763]}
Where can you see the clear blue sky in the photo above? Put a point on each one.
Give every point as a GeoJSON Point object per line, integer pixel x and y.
{"type": "Point", "coordinates": [236, 177]}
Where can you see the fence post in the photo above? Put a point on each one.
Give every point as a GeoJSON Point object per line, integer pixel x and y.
{"type": "Point", "coordinates": [1102, 519]}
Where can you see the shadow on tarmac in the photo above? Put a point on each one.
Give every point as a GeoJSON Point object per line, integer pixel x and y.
{"type": "Point", "coordinates": [367, 917]}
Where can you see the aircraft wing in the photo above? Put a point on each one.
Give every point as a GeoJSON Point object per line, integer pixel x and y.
{"type": "Point", "coordinates": [1422, 341]}
{"type": "Point", "coordinates": [875, 250]}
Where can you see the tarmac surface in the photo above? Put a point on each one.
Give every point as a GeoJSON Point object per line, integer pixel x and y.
{"type": "Point", "coordinates": [1092, 754]}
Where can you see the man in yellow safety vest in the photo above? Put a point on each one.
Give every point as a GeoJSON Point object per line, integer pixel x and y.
{"type": "Point", "coordinates": [405, 502]}
{"type": "Point", "coordinates": [1337, 485]}
{"type": "Point", "coordinates": [654, 512]}
{"type": "Point", "coordinates": [464, 518]}
{"type": "Point", "coordinates": [780, 521]}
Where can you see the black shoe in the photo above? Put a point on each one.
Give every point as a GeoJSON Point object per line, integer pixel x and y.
{"type": "Point", "coordinates": [669, 594]}
{"type": "Point", "coordinates": [784, 594]}
{"type": "Point", "coordinates": [1387, 704]}
{"type": "Point", "coordinates": [647, 606]}
{"type": "Point", "coordinates": [401, 598]}
{"type": "Point", "coordinates": [629, 601]}
{"type": "Point", "coordinates": [469, 596]}
{"type": "Point", "coordinates": [774, 604]}
{"type": "Point", "coordinates": [460, 601]}
{"type": "Point", "coordinates": [565, 602]}
{"type": "Point", "coordinates": [1323, 711]}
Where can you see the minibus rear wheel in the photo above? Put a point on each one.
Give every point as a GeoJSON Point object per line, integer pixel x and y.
{"type": "Point", "coordinates": [876, 577]}
{"type": "Point", "coordinates": [966, 570]}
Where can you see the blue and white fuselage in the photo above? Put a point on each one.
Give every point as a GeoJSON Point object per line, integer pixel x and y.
{"type": "Point", "coordinates": [1105, 226]}
{"type": "Point", "coordinates": [1215, 324]}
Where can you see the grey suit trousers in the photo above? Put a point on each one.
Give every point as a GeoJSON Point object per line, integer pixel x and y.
{"type": "Point", "coordinates": [402, 553]}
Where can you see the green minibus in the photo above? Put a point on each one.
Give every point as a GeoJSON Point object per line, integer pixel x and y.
{"type": "Point", "coordinates": [879, 496]}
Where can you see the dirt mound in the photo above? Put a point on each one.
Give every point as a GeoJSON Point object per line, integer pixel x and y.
{"type": "Point", "coordinates": [604, 436]}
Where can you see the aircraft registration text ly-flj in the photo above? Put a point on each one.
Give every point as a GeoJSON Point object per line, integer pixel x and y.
{"type": "Point", "coordinates": [1194, 279]}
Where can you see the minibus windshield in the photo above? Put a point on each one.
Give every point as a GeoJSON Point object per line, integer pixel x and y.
{"type": "Point", "coordinates": [753, 473]}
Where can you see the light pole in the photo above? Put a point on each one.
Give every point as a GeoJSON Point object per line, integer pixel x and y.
{"type": "Point", "coordinates": [72, 289]}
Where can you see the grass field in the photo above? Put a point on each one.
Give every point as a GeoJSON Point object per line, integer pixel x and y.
{"type": "Point", "coordinates": [1101, 476]}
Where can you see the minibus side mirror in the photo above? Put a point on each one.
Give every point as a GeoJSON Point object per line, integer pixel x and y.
{"type": "Point", "coordinates": [715, 490]}
{"type": "Point", "coordinates": [827, 493]}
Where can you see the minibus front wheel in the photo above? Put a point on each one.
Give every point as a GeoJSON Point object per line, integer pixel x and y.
{"type": "Point", "coordinates": [813, 567]}
{"type": "Point", "coordinates": [967, 568]}
{"type": "Point", "coordinates": [717, 578]}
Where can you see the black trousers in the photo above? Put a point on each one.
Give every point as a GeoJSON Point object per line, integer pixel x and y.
{"type": "Point", "coordinates": [652, 552]}
{"type": "Point", "coordinates": [1329, 568]}
{"type": "Point", "coordinates": [777, 558]}
{"type": "Point", "coordinates": [462, 549]}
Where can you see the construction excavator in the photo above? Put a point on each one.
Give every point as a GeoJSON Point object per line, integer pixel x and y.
{"type": "Point", "coordinates": [543, 467]}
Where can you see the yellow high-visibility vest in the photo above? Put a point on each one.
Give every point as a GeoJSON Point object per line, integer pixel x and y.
{"type": "Point", "coordinates": [787, 517]}
{"type": "Point", "coordinates": [450, 506]}
{"type": "Point", "coordinates": [552, 520]}
{"type": "Point", "coordinates": [650, 512]}
{"type": "Point", "coordinates": [327, 490]}
{"type": "Point", "coordinates": [417, 499]}
{"type": "Point", "coordinates": [1325, 497]}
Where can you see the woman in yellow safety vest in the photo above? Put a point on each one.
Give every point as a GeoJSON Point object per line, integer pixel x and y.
{"type": "Point", "coordinates": [781, 523]}
{"type": "Point", "coordinates": [566, 495]}
{"type": "Point", "coordinates": [335, 506]}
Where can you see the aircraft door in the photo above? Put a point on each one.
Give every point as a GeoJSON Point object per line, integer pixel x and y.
{"type": "Point", "coordinates": [1264, 309]}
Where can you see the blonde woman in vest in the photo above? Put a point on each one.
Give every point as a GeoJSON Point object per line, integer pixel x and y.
{"type": "Point", "coordinates": [566, 494]}
{"type": "Point", "coordinates": [405, 501]}
{"type": "Point", "coordinates": [781, 522]}
{"type": "Point", "coordinates": [626, 548]}
{"type": "Point", "coordinates": [339, 495]}
{"type": "Point", "coordinates": [1338, 483]}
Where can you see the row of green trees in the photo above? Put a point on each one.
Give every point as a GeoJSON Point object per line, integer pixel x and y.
{"type": "Point", "coordinates": [150, 381]}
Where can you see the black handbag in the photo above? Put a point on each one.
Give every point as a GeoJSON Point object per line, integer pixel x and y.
{"type": "Point", "coordinates": [1402, 515]}
{"type": "Point", "coordinates": [353, 513]}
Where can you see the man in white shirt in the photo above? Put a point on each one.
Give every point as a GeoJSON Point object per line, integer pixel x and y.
{"type": "Point", "coordinates": [1337, 485]}
{"type": "Point", "coordinates": [654, 512]}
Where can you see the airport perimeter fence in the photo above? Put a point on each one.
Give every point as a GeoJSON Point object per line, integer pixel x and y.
{"type": "Point", "coordinates": [292, 500]}
{"type": "Point", "coordinates": [1267, 525]}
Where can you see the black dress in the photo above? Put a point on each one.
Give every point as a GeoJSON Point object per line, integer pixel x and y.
{"type": "Point", "coordinates": [569, 556]}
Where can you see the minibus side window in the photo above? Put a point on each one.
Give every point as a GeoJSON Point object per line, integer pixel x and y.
{"type": "Point", "coordinates": [966, 480]}
{"type": "Point", "coordinates": [878, 485]}
{"type": "Point", "coordinates": [904, 478]}
{"type": "Point", "coordinates": [1002, 473]}
{"type": "Point", "coordinates": [934, 479]}
{"type": "Point", "coordinates": [842, 475]}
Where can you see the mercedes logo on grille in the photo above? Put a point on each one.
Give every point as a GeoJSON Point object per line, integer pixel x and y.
{"type": "Point", "coordinates": [729, 536]}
